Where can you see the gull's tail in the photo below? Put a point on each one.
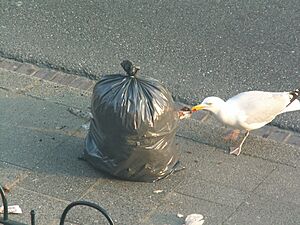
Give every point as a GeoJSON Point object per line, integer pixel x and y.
{"type": "Point", "coordinates": [294, 102]}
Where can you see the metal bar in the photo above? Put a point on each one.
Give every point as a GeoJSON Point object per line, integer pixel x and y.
{"type": "Point", "coordinates": [32, 214]}
{"type": "Point", "coordinates": [5, 219]}
{"type": "Point", "coordinates": [85, 203]}
{"type": "Point", "coordinates": [4, 202]}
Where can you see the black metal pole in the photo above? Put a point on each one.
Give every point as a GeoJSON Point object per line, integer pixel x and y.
{"type": "Point", "coordinates": [90, 204]}
{"type": "Point", "coordinates": [5, 206]}
{"type": "Point", "coordinates": [5, 219]}
{"type": "Point", "coordinates": [32, 214]}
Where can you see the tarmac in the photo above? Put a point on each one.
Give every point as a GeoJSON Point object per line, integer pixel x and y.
{"type": "Point", "coordinates": [43, 124]}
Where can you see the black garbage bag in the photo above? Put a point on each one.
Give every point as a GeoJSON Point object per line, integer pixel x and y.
{"type": "Point", "coordinates": [132, 132]}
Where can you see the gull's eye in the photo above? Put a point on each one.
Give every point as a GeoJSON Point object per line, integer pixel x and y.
{"type": "Point", "coordinates": [208, 103]}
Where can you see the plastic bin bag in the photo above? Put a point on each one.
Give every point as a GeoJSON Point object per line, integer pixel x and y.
{"type": "Point", "coordinates": [132, 132]}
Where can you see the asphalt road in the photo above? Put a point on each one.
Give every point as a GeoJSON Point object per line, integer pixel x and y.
{"type": "Point", "coordinates": [196, 48]}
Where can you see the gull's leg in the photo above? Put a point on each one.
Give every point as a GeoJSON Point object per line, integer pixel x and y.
{"type": "Point", "coordinates": [237, 151]}
{"type": "Point", "coordinates": [232, 135]}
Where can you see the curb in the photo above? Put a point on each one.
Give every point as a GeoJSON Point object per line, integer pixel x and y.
{"type": "Point", "coordinates": [51, 75]}
{"type": "Point", "coordinates": [86, 84]}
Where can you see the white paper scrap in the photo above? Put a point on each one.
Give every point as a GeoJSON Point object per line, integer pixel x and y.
{"type": "Point", "coordinates": [13, 209]}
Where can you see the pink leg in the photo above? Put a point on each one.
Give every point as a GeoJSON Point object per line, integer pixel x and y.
{"type": "Point", "coordinates": [238, 150]}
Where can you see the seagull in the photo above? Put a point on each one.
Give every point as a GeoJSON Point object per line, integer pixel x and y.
{"type": "Point", "coordinates": [250, 110]}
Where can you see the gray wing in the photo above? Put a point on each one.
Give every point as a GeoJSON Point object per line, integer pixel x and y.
{"type": "Point", "coordinates": [260, 107]}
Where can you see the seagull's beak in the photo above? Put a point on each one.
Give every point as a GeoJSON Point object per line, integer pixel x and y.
{"type": "Point", "coordinates": [198, 107]}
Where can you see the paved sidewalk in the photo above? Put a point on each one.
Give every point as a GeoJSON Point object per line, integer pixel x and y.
{"type": "Point", "coordinates": [41, 141]}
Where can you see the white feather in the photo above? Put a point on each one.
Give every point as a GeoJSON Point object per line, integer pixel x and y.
{"type": "Point", "coordinates": [294, 106]}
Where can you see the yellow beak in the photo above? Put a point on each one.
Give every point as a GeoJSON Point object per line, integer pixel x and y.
{"type": "Point", "coordinates": [198, 107]}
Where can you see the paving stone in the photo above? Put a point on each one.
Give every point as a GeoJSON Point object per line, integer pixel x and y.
{"type": "Point", "coordinates": [263, 132]}
{"type": "Point", "coordinates": [279, 135]}
{"type": "Point", "coordinates": [294, 139]}
{"type": "Point", "coordinates": [211, 192]}
{"type": "Point", "coordinates": [43, 115]}
{"type": "Point", "coordinates": [6, 102]}
{"type": "Point", "coordinates": [5, 94]}
{"type": "Point", "coordinates": [27, 69]}
{"type": "Point", "coordinates": [91, 89]}
{"type": "Point", "coordinates": [283, 185]}
{"type": "Point", "coordinates": [243, 173]}
{"type": "Point", "coordinates": [53, 92]}
{"type": "Point", "coordinates": [204, 132]}
{"type": "Point", "coordinates": [211, 134]}
{"type": "Point", "coordinates": [61, 174]}
{"type": "Point", "coordinates": [10, 65]}
{"type": "Point", "coordinates": [273, 151]}
{"type": "Point", "coordinates": [62, 78]}
{"type": "Point", "coordinates": [82, 83]}
{"type": "Point", "coordinates": [46, 208]}
{"type": "Point", "coordinates": [124, 209]}
{"type": "Point", "coordinates": [201, 116]}
{"type": "Point", "coordinates": [84, 215]}
{"type": "Point", "coordinates": [11, 175]}
{"type": "Point", "coordinates": [147, 190]}
{"type": "Point", "coordinates": [16, 82]}
{"type": "Point", "coordinates": [176, 203]}
{"type": "Point", "coordinates": [26, 147]}
{"type": "Point", "coordinates": [258, 210]}
{"type": "Point", "coordinates": [45, 74]}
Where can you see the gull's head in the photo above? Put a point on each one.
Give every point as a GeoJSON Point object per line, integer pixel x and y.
{"type": "Point", "coordinates": [212, 104]}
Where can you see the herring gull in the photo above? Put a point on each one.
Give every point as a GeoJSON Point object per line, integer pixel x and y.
{"type": "Point", "coordinates": [250, 110]}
